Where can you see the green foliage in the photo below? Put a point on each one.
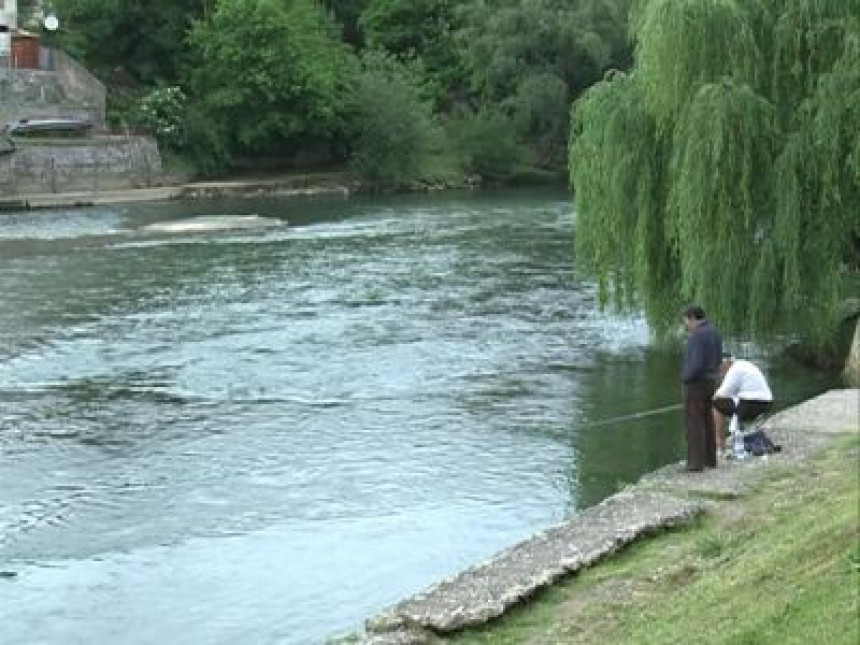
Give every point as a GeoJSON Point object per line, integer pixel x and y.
{"type": "Point", "coordinates": [404, 27]}
{"type": "Point", "coordinates": [27, 14]}
{"type": "Point", "coordinates": [506, 41]}
{"type": "Point", "coordinates": [393, 131]}
{"type": "Point", "coordinates": [271, 71]}
{"type": "Point", "coordinates": [145, 41]}
{"type": "Point", "coordinates": [205, 141]}
{"type": "Point", "coordinates": [726, 165]}
{"type": "Point", "coordinates": [421, 32]}
{"type": "Point", "coordinates": [275, 74]}
{"type": "Point", "coordinates": [620, 233]}
{"type": "Point", "coordinates": [531, 57]}
{"type": "Point", "coordinates": [539, 111]}
{"type": "Point", "coordinates": [347, 13]}
{"type": "Point", "coordinates": [162, 111]}
{"type": "Point", "coordinates": [684, 44]}
{"type": "Point", "coordinates": [120, 107]}
{"type": "Point", "coordinates": [486, 145]}
{"type": "Point", "coordinates": [718, 203]}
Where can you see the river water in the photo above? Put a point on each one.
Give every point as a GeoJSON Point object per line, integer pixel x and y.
{"type": "Point", "coordinates": [268, 437]}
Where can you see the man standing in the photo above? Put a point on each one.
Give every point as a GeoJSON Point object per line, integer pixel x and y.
{"type": "Point", "coordinates": [699, 373]}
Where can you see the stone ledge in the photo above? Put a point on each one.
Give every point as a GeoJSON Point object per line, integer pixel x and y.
{"type": "Point", "coordinates": [485, 591]}
{"type": "Point", "coordinates": [197, 190]}
{"type": "Point", "coordinates": [801, 431]}
{"type": "Point", "coordinates": [834, 412]}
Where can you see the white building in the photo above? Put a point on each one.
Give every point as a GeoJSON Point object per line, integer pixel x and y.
{"type": "Point", "coordinates": [8, 22]}
{"type": "Point", "coordinates": [9, 13]}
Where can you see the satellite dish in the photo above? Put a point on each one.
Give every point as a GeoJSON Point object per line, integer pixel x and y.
{"type": "Point", "coordinates": [51, 23]}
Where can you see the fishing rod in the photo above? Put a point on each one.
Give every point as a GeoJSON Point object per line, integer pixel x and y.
{"type": "Point", "coordinates": [635, 415]}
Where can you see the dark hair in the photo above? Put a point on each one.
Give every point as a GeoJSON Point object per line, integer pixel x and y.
{"type": "Point", "coordinates": [727, 356]}
{"type": "Point", "coordinates": [694, 311]}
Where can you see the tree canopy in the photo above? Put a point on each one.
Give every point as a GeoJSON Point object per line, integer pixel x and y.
{"type": "Point", "coordinates": [531, 58]}
{"type": "Point", "coordinates": [276, 76]}
{"type": "Point", "coordinates": [393, 128]}
{"type": "Point", "coordinates": [143, 41]}
{"type": "Point", "coordinates": [270, 70]}
{"type": "Point", "coordinates": [723, 169]}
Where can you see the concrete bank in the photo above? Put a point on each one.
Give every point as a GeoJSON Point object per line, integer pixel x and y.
{"type": "Point", "coordinates": [296, 186]}
{"type": "Point", "coordinates": [660, 500]}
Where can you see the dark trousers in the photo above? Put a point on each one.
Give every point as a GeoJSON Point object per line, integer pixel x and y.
{"type": "Point", "coordinates": [701, 435]}
{"type": "Point", "coordinates": [746, 409]}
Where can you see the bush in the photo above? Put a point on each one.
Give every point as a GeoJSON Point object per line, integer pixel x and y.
{"type": "Point", "coordinates": [271, 71]}
{"type": "Point", "coordinates": [392, 131]}
{"type": "Point", "coordinates": [205, 144]}
{"type": "Point", "coordinates": [486, 145]}
{"type": "Point", "coordinates": [540, 112]}
{"type": "Point", "coordinates": [162, 112]}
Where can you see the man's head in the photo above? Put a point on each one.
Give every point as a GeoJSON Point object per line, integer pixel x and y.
{"type": "Point", "coordinates": [726, 364]}
{"type": "Point", "coordinates": [693, 316]}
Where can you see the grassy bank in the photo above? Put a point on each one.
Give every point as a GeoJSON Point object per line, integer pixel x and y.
{"type": "Point", "coordinates": [781, 565]}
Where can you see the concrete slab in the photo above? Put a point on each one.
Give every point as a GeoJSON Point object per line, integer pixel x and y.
{"type": "Point", "coordinates": [800, 431]}
{"type": "Point", "coordinates": [729, 480]}
{"type": "Point", "coordinates": [88, 198]}
{"type": "Point", "coordinates": [834, 412]}
{"type": "Point", "coordinates": [485, 591]}
{"type": "Point", "coordinates": [288, 186]}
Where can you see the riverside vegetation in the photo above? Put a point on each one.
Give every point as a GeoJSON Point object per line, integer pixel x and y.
{"type": "Point", "coordinates": [724, 168]}
{"type": "Point", "coordinates": [395, 90]}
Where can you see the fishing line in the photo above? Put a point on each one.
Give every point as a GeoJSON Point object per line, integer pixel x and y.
{"type": "Point", "coordinates": [635, 415]}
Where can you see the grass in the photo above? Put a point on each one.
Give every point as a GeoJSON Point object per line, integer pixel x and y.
{"type": "Point", "coordinates": [781, 565]}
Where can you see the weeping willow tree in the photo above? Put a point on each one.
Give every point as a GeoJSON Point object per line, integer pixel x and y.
{"type": "Point", "coordinates": [725, 167]}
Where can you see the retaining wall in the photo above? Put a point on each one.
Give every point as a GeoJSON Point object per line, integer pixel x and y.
{"type": "Point", "coordinates": [80, 165]}
{"type": "Point", "coordinates": [62, 88]}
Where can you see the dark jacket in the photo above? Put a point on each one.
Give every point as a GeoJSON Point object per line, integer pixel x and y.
{"type": "Point", "coordinates": [704, 354]}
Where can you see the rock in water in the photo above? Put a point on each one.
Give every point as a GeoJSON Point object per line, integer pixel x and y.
{"type": "Point", "coordinates": [214, 223]}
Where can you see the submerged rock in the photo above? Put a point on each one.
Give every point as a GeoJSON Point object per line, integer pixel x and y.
{"type": "Point", "coordinates": [214, 223]}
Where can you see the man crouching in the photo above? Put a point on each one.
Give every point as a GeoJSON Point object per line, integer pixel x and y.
{"type": "Point", "coordinates": [743, 392]}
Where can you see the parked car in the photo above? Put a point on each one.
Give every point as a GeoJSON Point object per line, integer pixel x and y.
{"type": "Point", "coordinates": [48, 127]}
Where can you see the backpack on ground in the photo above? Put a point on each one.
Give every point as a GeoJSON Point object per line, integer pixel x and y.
{"type": "Point", "coordinates": [757, 443]}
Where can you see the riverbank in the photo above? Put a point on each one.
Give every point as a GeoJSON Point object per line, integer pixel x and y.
{"type": "Point", "coordinates": [280, 185]}
{"type": "Point", "coordinates": [770, 553]}
{"type": "Point", "coordinates": [303, 185]}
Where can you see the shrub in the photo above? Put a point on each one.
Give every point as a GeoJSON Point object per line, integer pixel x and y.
{"type": "Point", "coordinates": [486, 145]}
{"type": "Point", "coordinates": [392, 131]}
{"type": "Point", "coordinates": [162, 112]}
{"type": "Point", "coordinates": [205, 143]}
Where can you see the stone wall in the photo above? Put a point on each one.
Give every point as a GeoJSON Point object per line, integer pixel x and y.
{"type": "Point", "coordinates": [63, 89]}
{"type": "Point", "coordinates": [85, 165]}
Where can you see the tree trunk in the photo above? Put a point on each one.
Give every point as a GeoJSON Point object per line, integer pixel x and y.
{"type": "Point", "coordinates": [852, 365]}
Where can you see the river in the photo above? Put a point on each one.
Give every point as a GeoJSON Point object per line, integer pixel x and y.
{"type": "Point", "coordinates": [266, 437]}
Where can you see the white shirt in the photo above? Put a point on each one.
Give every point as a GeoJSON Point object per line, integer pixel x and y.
{"type": "Point", "coordinates": [744, 381]}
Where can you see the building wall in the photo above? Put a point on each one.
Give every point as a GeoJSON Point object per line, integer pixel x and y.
{"type": "Point", "coordinates": [9, 13]}
{"type": "Point", "coordinates": [86, 165]}
{"type": "Point", "coordinates": [8, 21]}
{"type": "Point", "coordinates": [68, 91]}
